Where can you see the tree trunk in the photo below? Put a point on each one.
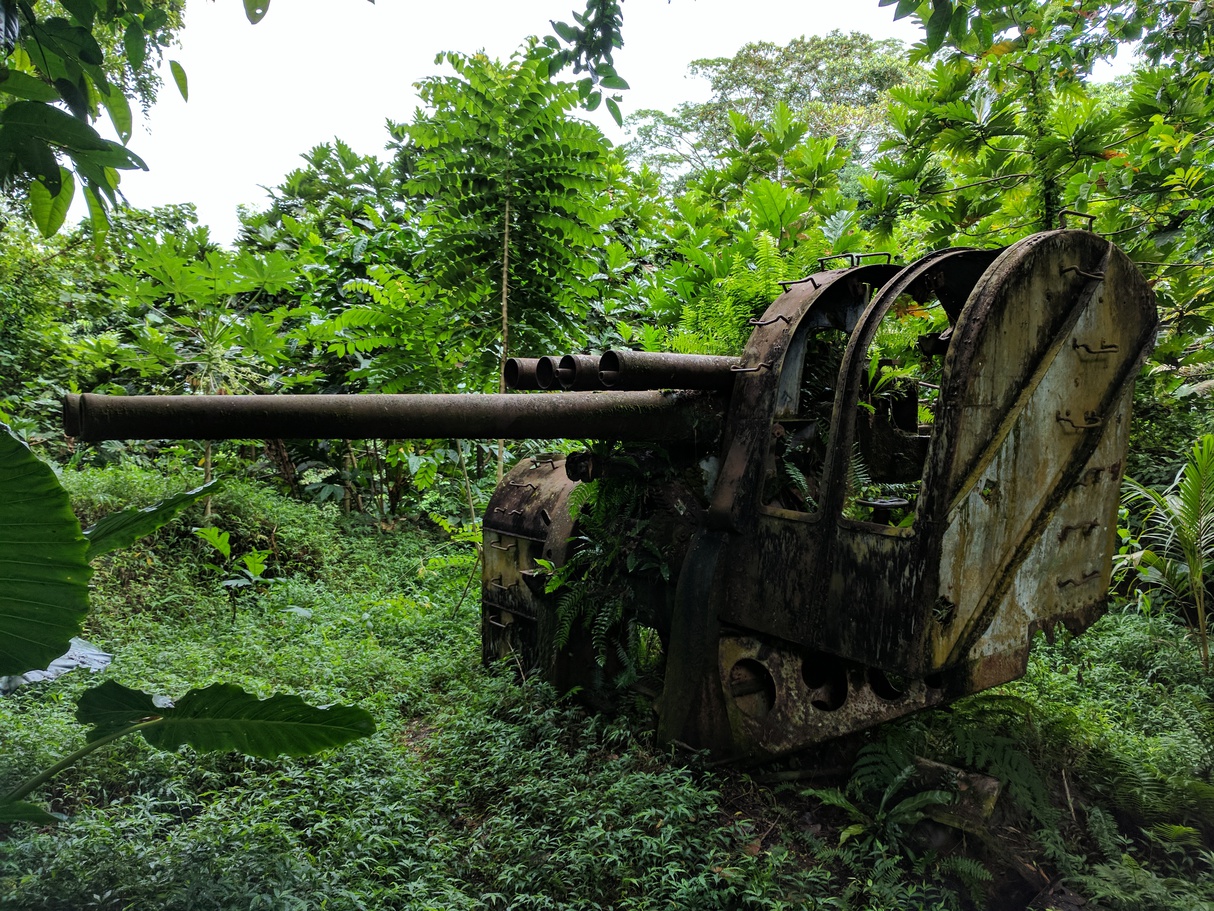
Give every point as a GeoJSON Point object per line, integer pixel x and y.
{"type": "Point", "coordinates": [501, 367]}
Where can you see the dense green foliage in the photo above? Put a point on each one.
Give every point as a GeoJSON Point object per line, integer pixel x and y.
{"type": "Point", "coordinates": [342, 571]}
{"type": "Point", "coordinates": [480, 792]}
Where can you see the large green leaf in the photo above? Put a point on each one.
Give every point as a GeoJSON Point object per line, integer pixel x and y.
{"type": "Point", "coordinates": [44, 573]}
{"type": "Point", "coordinates": [224, 717]}
{"type": "Point", "coordinates": [119, 108]}
{"type": "Point", "coordinates": [121, 529]}
{"type": "Point", "coordinates": [22, 85]}
{"type": "Point", "coordinates": [180, 78]}
{"type": "Point", "coordinates": [256, 9]}
{"type": "Point", "coordinates": [52, 125]}
{"type": "Point", "coordinates": [50, 211]}
{"type": "Point", "coordinates": [20, 811]}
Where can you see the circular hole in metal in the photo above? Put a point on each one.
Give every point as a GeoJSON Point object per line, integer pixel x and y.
{"type": "Point", "coordinates": [752, 687]}
{"type": "Point", "coordinates": [890, 687]}
{"type": "Point", "coordinates": [511, 373]}
{"type": "Point", "coordinates": [609, 369]}
{"type": "Point", "coordinates": [826, 677]}
{"type": "Point", "coordinates": [545, 373]}
{"type": "Point", "coordinates": [934, 681]}
{"type": "Point", "coordinates": [566, 371]}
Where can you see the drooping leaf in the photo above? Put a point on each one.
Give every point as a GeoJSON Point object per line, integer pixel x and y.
{"type": "Point", "coordinates": [38, 159]}
{"type": "Point", "coordinates": [23, 85]}
{"type": "Point", "coordinates": [83, 10]}
{"type": "Point", "coordinates": [135, 44]}
{"type": "Point", "coordinates": [51, 125]}
{"type": "Point", "coordinates": [75, 96]}
{"type": "Point", "coordinates": [43, 571]}
{"type": "Point", "coordinates": [19, 811]}
{"type": "Point", "coordinates": [179, 77]}
{"type": "Point", "coordinates": [938, 23]}
{"type": "Point", "coordinates": [121, 529]}
{"type": "Point", "coordinates": [256, 9]}
{"type": "Point", "coordinates": [47, 209]}
{"type": "Point", "coordinates": [98, 220]}
{"type": "Point", "coordinates": [224, 717]}
{"type": "Point", "coordinates": [119, 108]}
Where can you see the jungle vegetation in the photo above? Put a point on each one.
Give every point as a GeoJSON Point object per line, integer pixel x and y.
{"type": "Point", "coordinates": [315, 595]}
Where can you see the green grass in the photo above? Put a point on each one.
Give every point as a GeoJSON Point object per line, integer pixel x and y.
{"type": "Point", "coordinates": [480, 792]}
{"type": "Point", "coordinates": [475, 792]}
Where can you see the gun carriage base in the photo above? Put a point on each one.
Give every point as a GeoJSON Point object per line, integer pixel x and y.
{"type": "Point", "coordinates": [803, 605]}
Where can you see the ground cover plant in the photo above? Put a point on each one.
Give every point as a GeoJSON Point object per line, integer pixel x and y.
{"type": "Point", "coordinates": [479, 790]}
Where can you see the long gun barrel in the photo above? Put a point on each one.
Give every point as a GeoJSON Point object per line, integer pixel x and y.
{"type": "Point", "coordinates": [629, 416]}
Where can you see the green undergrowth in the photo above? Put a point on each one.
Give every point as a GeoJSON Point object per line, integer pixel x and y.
{"type": "Point", "coordinates": [476, 791]}
{"type": "Point", "coordinates": [482, 792]}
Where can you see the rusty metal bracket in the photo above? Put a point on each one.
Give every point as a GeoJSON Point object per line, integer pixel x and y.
{"type": "Point", "coordinates": [739, 369]}
{"type": "Point", "coordinates": [775, 319]}
{"type": "Point", "coordinates": [1090, 419]}
{"type": "Point", "coordinates": [497, 583]}
{"type": "Point", "coordinates": [1086, 577]}
{"type": "Point", "coordinates": [785, 285]}
{"type": "Point", "coordinates": [1086, 527]}
{"type": "Point", "coordinates": [854, 259]}
{"type": "Point", "coordinates": [522, 484]}
{"type": "Point", "coordinates": [1090, 219]}
{"type": "Point", "coordinates": [1095, 276]}
{"type": "Point", "coordinates": [498, 545]}
{"type": "Point", "coordinates": [537, 462]}
{"type": "Point", "coordinates": [1104, 347]}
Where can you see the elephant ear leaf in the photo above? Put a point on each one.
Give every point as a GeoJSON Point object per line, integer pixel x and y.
{"type": "Point", "coordinates": [44, 570]}
{"type": "Point", "coordinates": [19, 811]}
{"type": "Point", "coordinates": [223, 717]}
{"type": "Point", "coordinates": [121, 529]}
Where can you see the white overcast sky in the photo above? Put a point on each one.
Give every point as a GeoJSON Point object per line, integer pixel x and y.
{"type": "Point", "coordinates": [314, 69]}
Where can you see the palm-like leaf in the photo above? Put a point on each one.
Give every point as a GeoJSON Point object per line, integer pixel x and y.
{"type": "Point", "coordinates": [1178, 533]}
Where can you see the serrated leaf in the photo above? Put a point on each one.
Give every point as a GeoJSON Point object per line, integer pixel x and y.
{"type": "Point", "coordinates": [121, 529]}
{"type": "Point", "coordinates": [223, 717]}
{"type": "Point", "coordinates": [179, 77]}
{"type": "Point", "coordinates": [19, 811]}
{"type": "Point", "coordinates": [256, 9]}
{"type": "Point", "coordinates": [49, 210]}
{"type": "Point", "coordinates": [43, 571]}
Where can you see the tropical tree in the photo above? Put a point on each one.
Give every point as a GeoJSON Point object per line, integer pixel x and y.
{"type": "Point", "coordinates": [64, 64]}
{"type": "Point", "coordinates": [508, 185]}
{"type": "Point", "coordinates": [337, 190]}
{"type": "Point", "coordinates": [836, 85]}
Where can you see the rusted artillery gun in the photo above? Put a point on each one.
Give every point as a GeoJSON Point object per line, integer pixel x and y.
{"type": "Point", "coordinates": [803, 605]}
